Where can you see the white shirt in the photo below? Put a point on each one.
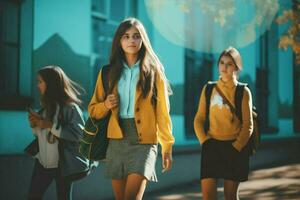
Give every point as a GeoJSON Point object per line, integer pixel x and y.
{"type": "Point", "coordinates": [48, 153]}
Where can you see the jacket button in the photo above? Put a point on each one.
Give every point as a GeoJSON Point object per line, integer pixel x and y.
{"type": "Point", "coordinates": [137, 109]}
{"type": "Point", "coordinates": [138, 121]}
{"type": "Point", "coordinates": [140, 139]}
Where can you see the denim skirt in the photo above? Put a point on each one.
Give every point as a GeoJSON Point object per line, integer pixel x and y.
{"type": "Point", "coordinates": [126, 156]}
{"type": "Point", "coordinates": [219, 159]}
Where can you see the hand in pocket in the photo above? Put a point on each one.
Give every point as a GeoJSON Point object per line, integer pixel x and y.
{"type": "Point", "coordinates": [233, 151]}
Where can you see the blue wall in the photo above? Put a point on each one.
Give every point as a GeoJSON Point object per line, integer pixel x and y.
{"type": "Point", "coordinates": [59, 32]}
{"type": "Point", "coordinates": [15, 132]}
{"type": "Point", "coordinates": [71, 19]}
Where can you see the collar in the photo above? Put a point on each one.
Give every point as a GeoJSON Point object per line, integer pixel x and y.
{"type": "Point", "coordinates": [229, 84]}
{"type": "Point", "coordinates": [136, 65]}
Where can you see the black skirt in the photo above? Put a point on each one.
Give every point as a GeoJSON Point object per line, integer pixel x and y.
{"type": "Point", "coordinates": [220, 159]}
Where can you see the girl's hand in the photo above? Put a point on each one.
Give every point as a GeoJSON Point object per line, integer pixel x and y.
{"type": "Point", "coordinates": [166, 162]}
{"type": "Point", "coordinates": [43, 123]}
{"type": "Point", "coordinates": [31, 122]}
{"type": "Point", "coordinates": [37, 120]}
{"type": "Point", "coordinates": [32, 118]}
{"type": "Point", "coordinates": [111, 101]}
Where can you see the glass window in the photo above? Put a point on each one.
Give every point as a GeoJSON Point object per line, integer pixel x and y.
{"type": "Point", "coordinates": [9, 48]}
{"type": "Point", "coordinates": [99, 6]}
{"type": "Point", "coordinates": [296, 96]}
{"type": "Point", "coordinates": [262, 86]}
{"type": "Point", "coordinates": [198, 71]}
{"type": "Point", "coordinates": [103, 33]}
{"type": "Point", "coordinates": [117, 10]}
{"type": "Point", "coordinates": [106, 16]}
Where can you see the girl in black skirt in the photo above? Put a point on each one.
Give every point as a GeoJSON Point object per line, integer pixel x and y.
{"type": "Point", "coordinates": [222, 134]}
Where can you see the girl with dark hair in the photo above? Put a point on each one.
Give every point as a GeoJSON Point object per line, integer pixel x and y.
{"type": "Point", "coordinates": [224, 138]}
{"type": "Point", "coordinates": [138, 100]}
{"type": "Point", "coordinates": [57, 128]}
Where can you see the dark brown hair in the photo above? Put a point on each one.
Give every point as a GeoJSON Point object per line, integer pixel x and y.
{"type": "Point", "coordinates": [60, 89]}
{"type": "Point", "coordinates": [149, 62]}
{"type": "Point", "coordinates": [234, 54]}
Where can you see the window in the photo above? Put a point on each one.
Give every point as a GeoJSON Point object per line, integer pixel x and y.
{"type": "Point", "coordinates": [103, 33]}
{"type": "Point", "coordinates": [99, 6]}
{"type": "Point", "coordinates": [10, 94]}
{"type": "Point", "coordinates": [9, 48]}
{"type": "Point", "coordinates": [117, 10]}
{"type": "Point", "coordinates": [296, 100]}
{"type": "Point", "coordinates": [106, 16]}
{"type": "Point", "coordinates": [198, 70]}
{"type": "Point", "coordinates": [263, 75]}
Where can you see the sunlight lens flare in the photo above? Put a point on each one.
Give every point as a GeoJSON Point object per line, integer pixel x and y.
{"type": "Point", "coordinates": [211, 25]}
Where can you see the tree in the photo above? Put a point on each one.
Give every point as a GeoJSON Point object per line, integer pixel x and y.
{"type": "Point", "coordinates": [292, 36]}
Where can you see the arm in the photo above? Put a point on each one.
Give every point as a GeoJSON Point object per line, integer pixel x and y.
{"type": "Point", "coordinates": [247, 123]}
{"type": "Point", "coordinates": [33, 117]}
{"type": "Point", "coordinates": [163, 118]}
{"type": "Point", "coordinates": [200, 117]}
{"type": "Point", "coordinates": [97, 108]}
{"type": "Point", "coordinates": [73, 122]}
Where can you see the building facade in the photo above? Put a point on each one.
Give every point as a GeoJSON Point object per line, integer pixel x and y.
{"type": "Point", "coordinates": [77, 36]}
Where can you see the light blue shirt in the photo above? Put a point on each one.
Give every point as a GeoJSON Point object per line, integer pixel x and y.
{"type": "Point", "coordinates": [127, 88]}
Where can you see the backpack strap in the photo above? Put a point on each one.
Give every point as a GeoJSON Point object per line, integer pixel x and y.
{"type": "Point", "coordinates": [104, 77]}
{"type": "Point", "coordinates": [208, 91]}
{"type": "Point", "coordinates": [239, 93]}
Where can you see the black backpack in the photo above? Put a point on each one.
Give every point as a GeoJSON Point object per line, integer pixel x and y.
{"type": "Point", "coordinates": [254, 140]}
{"type": "Point", "coordinates": [94, 143]}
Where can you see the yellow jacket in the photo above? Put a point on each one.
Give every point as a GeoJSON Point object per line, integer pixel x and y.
{"type": "Point", "coordinates": [224, 125]}
{"type": "Point", "coordinates": [153, 123]}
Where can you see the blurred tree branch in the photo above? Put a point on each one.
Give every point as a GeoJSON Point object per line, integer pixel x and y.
{"type": "Point", "coordinates": [292, 36]}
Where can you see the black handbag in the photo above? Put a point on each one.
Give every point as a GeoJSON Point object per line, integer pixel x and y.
{"type": "Point", "coordinates": [94, 142]}
{"type": "Point", "coordinates": [33, 148]}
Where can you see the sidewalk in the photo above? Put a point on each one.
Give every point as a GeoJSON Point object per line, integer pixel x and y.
{"type": "Point", "coordinates": [280, 180]}
{"type": "Point", "coordinates": [274, 183]}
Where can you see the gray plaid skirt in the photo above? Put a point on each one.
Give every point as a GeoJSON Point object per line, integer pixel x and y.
{"type": "Point", "coordinates": [125, 156]}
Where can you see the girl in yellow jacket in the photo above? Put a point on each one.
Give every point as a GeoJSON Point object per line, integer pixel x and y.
{"type": "Point", "coordinates": [223, 146]}
{"type": "Point", "coordinates": [139, 104]}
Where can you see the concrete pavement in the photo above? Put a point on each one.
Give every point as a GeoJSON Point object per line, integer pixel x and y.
{"type": "Point", "coordinates": [273, 183]}
{"type": "Point", "coordinates": [182, 182]}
